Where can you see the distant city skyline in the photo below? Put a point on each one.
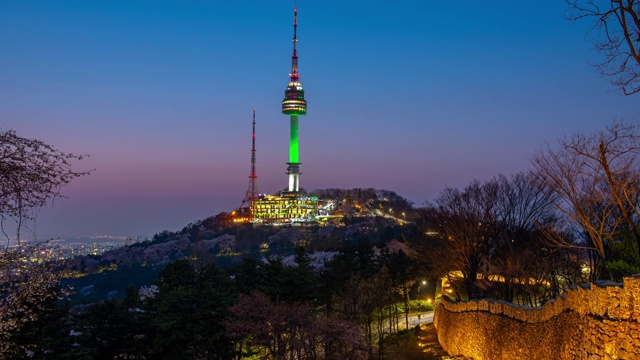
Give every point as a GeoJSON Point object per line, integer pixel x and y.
{"type": "Point", "coordinates": [409, 96]}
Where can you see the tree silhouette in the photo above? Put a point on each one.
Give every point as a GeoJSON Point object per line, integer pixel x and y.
{"type": "Point", "coordinates": [617, 28]}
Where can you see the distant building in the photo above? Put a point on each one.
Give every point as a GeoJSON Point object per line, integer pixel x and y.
{"type": "Point", "coordinates": [287, 208]}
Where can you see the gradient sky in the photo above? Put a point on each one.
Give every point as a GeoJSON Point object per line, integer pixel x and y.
{"type": "Point", "coordinates": [406, 95]}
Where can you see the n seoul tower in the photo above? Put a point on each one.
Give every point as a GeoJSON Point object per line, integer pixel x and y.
{"type": "Point", "coordinates": [294, 105]}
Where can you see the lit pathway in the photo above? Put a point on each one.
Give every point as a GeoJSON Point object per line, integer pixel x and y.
{"type": "Point", "coordinates": [414, 320]}
{"type": "Point", "coordinates": [417, 319]}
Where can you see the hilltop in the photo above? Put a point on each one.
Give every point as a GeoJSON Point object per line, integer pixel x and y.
{"type": "Point", "coordinates": [378, 219]}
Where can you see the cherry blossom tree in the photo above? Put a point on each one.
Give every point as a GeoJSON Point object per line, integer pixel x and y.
{"type": "Point", "coordinates": [32, 173]}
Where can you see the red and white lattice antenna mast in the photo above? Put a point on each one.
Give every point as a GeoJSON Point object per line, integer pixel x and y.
{"type": "Point", "coordinates": [252, 190]}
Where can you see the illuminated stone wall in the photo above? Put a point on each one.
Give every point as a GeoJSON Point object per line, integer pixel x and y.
{"type": "Point", "coordinates": [590, 322]}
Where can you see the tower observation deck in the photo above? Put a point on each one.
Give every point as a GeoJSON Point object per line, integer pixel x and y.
{"type": "Point", "coordinates": [294, 105]}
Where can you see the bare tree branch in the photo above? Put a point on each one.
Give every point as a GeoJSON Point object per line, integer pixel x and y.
{"type": "Point", "coordinates": [31, 174]}
{"type": "Point", "coordinates": [593, 181]}
{"type": "Point", "coordinates": [616, 34]}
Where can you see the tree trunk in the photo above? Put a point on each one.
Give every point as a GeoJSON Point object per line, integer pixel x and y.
{"type": "Point", "coordinates": [405, 293]}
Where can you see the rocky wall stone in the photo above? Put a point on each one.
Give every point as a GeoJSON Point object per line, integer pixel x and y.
{"type": "Point", "coordinates": [593, 321]}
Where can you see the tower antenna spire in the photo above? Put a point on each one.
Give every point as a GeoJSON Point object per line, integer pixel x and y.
{"type": "Point", "coordinates": [252, 190]}
{"type": "Point", "coordinates": [294, 58]}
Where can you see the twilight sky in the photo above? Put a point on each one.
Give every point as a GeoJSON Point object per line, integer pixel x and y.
{"type": "Point", "coordinates": [405, 95]}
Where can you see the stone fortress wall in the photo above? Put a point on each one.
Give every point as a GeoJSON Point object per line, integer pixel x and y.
{"type": "Point", "coordinates": [593, 321]}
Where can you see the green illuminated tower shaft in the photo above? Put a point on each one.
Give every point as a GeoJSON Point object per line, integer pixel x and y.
{"type": "Point", "coordinates": [293, 169]}
{"type": "Point", "coordinates": [293, 139]}
{"type": "Point", "coordinates": [294, 105]}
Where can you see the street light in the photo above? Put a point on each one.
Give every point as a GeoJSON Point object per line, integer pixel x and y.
{"type": "Point", "coordinates": [422, 289]}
